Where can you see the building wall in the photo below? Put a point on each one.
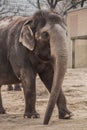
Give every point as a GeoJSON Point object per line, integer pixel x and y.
{"type": "Point", "coordinates": [77, 26]}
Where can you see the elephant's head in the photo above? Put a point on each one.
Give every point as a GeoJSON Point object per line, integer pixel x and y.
{"type": "Point", "coordinates": [46, 32]}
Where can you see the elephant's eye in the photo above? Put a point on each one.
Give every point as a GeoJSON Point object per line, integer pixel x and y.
{"type": "Point", "coordinates": [45, 36]}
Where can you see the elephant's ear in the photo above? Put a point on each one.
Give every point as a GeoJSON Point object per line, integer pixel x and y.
{"type": "Point", "coordinates": [27, 36]}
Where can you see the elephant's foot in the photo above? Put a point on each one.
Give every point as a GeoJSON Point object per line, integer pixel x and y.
{"type": "Point", "coordinates": [10, 88]}
{"type": "Point", "coordinates": [2, 110]}
{"type": "Point", "coordinates": [65, 114]}
{"type": "Point", "coordinates": [31, 115]}
{"type": "Point", "coordinates": [17, 88]}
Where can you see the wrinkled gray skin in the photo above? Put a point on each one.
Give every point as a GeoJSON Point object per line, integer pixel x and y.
{"type": "Point", "coordinates": [30, 46]}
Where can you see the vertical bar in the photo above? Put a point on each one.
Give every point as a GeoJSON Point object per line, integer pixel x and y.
{"type": "Point", "coordinates": [0, 98]}
{"type": "Point", "coordinates": [73, 53]}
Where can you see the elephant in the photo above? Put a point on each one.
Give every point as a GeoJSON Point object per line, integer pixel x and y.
{"type": "Point", "coordinates": [35, 45]}
{"type": "Point", "coordinates": [16, 87]}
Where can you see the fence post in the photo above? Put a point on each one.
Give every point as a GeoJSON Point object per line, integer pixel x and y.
{"type": "Point", "coordinates": [73, 53]}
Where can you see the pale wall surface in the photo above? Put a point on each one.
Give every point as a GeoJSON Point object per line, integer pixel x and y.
{"type": "Point", "coordinates": [77, 26]}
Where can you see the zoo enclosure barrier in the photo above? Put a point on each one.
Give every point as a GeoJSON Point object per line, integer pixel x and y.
{"type": "Point", "coordinates": [74, 38]}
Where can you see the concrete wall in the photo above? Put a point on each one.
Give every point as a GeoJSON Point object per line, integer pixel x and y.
{"type": "Point", "coordinates": [77, 26]}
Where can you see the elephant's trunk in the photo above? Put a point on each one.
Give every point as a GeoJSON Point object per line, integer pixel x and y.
{"type": "Point", "coordinates": [59, 54]}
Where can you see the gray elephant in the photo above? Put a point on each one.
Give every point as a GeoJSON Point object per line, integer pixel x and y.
{"type": "Point", "coordinates": [30, 46]}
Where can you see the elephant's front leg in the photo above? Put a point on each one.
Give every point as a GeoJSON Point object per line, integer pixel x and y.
{"type": "Point", "coordinates": [64, 113]}
{"type": "Point", "coordinates": [47, 78]}
{"type": "Point", "coordinates": [29, 87]}
{"type": "Point", "coordinates": [2, 110]}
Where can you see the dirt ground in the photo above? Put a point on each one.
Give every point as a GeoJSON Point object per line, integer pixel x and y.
{"type": "Point", "coordinates": [75, 89]}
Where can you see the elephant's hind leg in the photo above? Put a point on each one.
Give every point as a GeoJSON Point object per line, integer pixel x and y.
{"type": "Point", "coordinates": [2, 110]}
{"type": "Point", "coordinates": [17, 87]}
{"type": "Point", "coordinates": [9, 88]}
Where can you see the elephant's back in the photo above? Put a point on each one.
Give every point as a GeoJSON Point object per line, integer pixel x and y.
{"type": "Point", "coordinates": [10, 28]}
{"type": "Point", "coordinates": [7, 22]}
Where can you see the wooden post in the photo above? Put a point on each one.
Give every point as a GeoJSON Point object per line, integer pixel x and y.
{"type": "Point", "coordinates": [0, 98]}
{"type": "Point", "coordinates": [73, 53]}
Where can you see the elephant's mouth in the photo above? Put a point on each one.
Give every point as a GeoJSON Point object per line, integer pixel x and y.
{"type": "Point", "coordinates": [44, 59]}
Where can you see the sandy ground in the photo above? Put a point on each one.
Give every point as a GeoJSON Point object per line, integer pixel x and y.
{"type": "Point", "coordinates": [75, 89]}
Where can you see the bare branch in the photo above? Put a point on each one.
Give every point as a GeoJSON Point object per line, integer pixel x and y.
{"type": "Point", "coordinates": [82, 3]}
{"type": "Point", "coordinates": [32, 3]}
{"type": "Point", "coordinates": [53, 3]}
{"type": "Point", "coordinates": [38, 4]}
{"type": "Point", "coordinates": [74, 5]}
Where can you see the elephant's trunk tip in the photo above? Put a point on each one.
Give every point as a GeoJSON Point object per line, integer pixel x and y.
{"type": "Point", "coordinates": [46, 121]}
{"type": "Point", "coordinates": [47, 115]}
